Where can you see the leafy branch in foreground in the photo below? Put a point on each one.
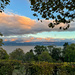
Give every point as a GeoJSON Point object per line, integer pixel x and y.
{"type": "Point", "coordinates": [61, 11]}
{"type": "Point", "coordinates": [3, 4]}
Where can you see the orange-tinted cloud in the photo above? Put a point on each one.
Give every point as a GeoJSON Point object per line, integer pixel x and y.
{"type": "Point", "coordinates": [35, 39]}
{"type": "Point", "coordinates": [13, 24]}
{"type": "Point", "coordinates": [13, 39]}
{"type": "Point", "coordinates": [27, 41]}
{"type": "Point", "coordinates": [48, 39]}
{"type": "Point", "coordinates": [26, 22]}
{"type": "Point", "coordinates": [5, 40]}
{"type": "Point", "coordinates": [39, 38]}
{"type": "Point", "coordinates": [32, 38]}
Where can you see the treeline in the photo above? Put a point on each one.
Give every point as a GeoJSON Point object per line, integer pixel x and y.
{"type": "Point", "coordinates": [42, 60]}
{"type": "Point", "coordinates": [42, 53]}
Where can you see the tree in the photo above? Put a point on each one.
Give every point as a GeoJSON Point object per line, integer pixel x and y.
{"type": "Point", "coordinates": [61, 11]}
{"type": "Point", "coordinates": [44, 56]}
{"type": "Point", "coordinates": [3, 54]}
{"type": "Point", "coordinates": [39, 49]}
{"type": "Point", "coordinates": [64, 50]}
{"type": "Point", "coordinates": [50, 48]}
{"type": "Point", "coordinates": [65, 47]}
{"type": "Point", "coordinates": [1, 41]}
{"type": "Point", "coordinates": [3, 4]}
{"type": "Point", "coordinates": [56, 53]}
{"type": "Point", "coordinates": [17, 54]}
{"type": "Point", "coordinates": [29, 56]}
{"type": "Point", "coordinates": [69, 55]}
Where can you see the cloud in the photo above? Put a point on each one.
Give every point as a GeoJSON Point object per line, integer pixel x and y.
{"type": "Point", "coordinates": [10, 39]}
{"type": "Point", "coordinates": [36, 39]}
{"type": "Point", "coordinates": [13, 24]}
{"type": "Point", "coordinates": [5, 40]}
{"type": "Point", "coordinates": [14, 39]}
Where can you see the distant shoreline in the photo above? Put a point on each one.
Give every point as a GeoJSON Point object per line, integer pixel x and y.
{"type": "Point", "coordinates": [34, 43]}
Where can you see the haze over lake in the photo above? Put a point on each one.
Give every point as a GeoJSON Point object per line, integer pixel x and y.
{"type": "Point", "coordinates": [9, 49]}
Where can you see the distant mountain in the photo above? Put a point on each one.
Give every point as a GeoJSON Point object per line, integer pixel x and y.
{"type": "Point", "coordinates": [34, 43]}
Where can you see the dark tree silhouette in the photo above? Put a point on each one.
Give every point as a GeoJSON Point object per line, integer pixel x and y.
{"type": "Point", "coordinates": [1, 41]}
{"type": "Point", "coordinates": [62, 11]}
{"type": "Point", "coordinates": [3, 4]}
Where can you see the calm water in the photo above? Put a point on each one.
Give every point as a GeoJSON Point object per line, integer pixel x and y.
{"type": "Point", "coordinates": [9, 49]}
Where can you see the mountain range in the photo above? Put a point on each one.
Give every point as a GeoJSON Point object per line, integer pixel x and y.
{"type": "Point", "coordinates": [8, 43]}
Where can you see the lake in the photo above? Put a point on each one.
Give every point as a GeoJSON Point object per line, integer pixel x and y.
{"type": "Point", "coordinates": [9, 49]}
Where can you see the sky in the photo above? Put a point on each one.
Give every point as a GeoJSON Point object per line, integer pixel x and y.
{"type": "Point", "coordinates": [18, 24]}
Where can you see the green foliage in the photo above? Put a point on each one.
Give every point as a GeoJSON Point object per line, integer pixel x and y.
{"type": "Point", "coordinates": [1, 41]}
{"type": "Point", "coordinates": [3, 54]}
{"type": "Point", "coordinates": [45, 68]}
{"type": "Point", "coordinates": [7, 66]}
{"type": "Point", "coordinates": [62, 11]}
{"type": "Point", "coordinates": [29, 56]}
{"type": "Point", "coordinates": [17, 54]}
{"type": "Point", "coordinates": [45, 64]}
{"type": "Point", "coordinates": [39, 49]}
{"type": "Point", "coordinates": [40, 68]}
{"type": "Point", "coordinates": [14, 67]}
{"type": "Point", "coordinates": [56, 53]}
{"type": "Point", "coordinates": [50, 48]}
{"type": "Point", "coordinates": [67, 69]}
{"type": "Point", "coordinates": [65, 45]}
{"type": "Point", "coordinates": [70, 53]}
{"type": "Point", "coordinates": [44, 56]}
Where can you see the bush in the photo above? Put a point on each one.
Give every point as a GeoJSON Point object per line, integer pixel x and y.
{"type": "Point", "coordinates": [7, 66]}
